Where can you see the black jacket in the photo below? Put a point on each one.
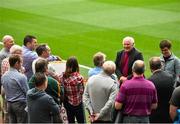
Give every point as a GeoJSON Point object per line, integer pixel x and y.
{"type": "Point", "coordinates": [134, 55]}
{"type": "Point", "coordinates": [41, 107]}
{"type": "Point", "coordinates": [164, 83]}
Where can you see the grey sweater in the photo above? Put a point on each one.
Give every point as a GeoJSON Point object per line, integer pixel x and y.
{"type": "Point", "coordinates": [99, 95]}
{"type": "Point", "coordinates": [172, 66]}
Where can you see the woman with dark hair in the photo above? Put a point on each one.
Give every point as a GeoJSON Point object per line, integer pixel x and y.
{"type": "Point", "coordinates": [73, 91]}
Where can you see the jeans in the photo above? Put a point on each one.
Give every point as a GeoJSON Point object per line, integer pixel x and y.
{"type": "Point", "coordinates": [136, 119]}
{"type": "Point", "coordinates": [75, 111]}
{"type": "Point", "coordinates": [16, 111]}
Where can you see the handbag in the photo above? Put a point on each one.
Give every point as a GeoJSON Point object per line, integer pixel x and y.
{"type": "Point", "coordinates": [63, 114]}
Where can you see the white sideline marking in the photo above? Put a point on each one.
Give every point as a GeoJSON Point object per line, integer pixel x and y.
{"type": "Point", "coordinates": [86, 67]}
{"type": "Point", "coordinates": [83, 66]}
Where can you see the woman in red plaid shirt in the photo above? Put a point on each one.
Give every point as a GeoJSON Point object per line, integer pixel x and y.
{"type": "Point", "coordinates": [73, 91]}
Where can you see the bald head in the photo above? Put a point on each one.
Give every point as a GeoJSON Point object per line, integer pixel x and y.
{"type": "Point", "coordinates": [138, 67]}
{"type": "Point", "coordinates": [109, 67]}
{"type": "Point", "coordinates": [155, 63]}
{"type": "Point", "coordinates": [8, 41]}
{"type": "Point", "coordinates": [7, 38]}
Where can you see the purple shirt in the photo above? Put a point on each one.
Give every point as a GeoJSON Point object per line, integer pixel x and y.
{"type": "Point", "coordinates": [137, 95]}
{"type": "Point", "coordinates": [28, 57]}
{"type": "Point", "coordinates": [125, 63]}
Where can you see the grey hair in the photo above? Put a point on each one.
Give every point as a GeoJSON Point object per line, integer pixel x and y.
{"type": "Point", "coordinates": [15, 48]}
{"type": "Point", "coordinates": [109, 67]}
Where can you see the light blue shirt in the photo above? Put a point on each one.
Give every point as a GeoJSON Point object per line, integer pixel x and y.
{"type": "Point", "coordinates": [94, 71]}
{"type": "Point", "coordinates": [28, 57]}
{"type": "Point", "coordinates": [15, 85]}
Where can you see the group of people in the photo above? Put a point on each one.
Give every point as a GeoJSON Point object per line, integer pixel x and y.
{"type": "Point", "coordinates": [22, 90]}
{"type": "Point", "coordinates": [34, 92]}
{"type": "Point", "coordinates": [140, 99]}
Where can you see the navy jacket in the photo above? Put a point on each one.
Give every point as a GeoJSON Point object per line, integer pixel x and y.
{"type": "Point", "coordinates": [41, 107]}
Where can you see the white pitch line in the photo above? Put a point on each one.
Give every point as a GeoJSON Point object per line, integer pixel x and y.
{"type": "Point", "coordinates": [86, 67]}
{"type": "Point", "coordinates": [83, 66]}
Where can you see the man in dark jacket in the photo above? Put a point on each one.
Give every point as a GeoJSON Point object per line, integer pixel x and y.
{"type": "Point", "coordinates": [163, 82]}
{"type": "Point", "coordinates": [53, 88]}
{"type": "Point", "coordinates": [41, 107]}
{"type": "Point", "coordinates": [125, 59]}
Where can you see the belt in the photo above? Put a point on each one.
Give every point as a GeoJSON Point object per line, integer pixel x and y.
{"type": "Point", "coordinates": [135, 115]}
{"type": "Point", "coordinates": [16, 101]}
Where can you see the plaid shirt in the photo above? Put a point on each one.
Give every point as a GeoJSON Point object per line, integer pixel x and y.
{"type": "Point", "coordinates": [73, 88]}
{"type": "Point", "coordinates": [5, 65]}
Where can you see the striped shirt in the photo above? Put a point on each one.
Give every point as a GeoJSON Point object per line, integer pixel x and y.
{"type": "Point", "coordinates": [137, 95]}
{"type": "Point", "coordinates": [5, 65]}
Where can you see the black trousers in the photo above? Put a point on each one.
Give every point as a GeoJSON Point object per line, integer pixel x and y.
{"type": "Point", "coordinates": [75, 112]}
{"type": "Point", "coordinates": [16, 111]}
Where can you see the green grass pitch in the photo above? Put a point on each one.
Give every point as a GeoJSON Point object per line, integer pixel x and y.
{"type": "Point", "coordinates": [84, 27]}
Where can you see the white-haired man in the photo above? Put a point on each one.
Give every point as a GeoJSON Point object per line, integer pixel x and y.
{"type": "Point", "coordinates": [125, 59]}
{"type": "Point", "coordinates": [100, 93]}
{"type": "Point", "coordinates": [15, 49]}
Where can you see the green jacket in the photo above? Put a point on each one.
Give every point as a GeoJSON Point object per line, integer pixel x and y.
{"type": "Point", "coordinates": [53, 88]}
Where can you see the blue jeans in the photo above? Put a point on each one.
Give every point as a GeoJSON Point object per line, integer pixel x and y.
{"type": "Point", "coordinates": [136, 119]}
{"type": "Point", "coordinates": [75, 111]}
